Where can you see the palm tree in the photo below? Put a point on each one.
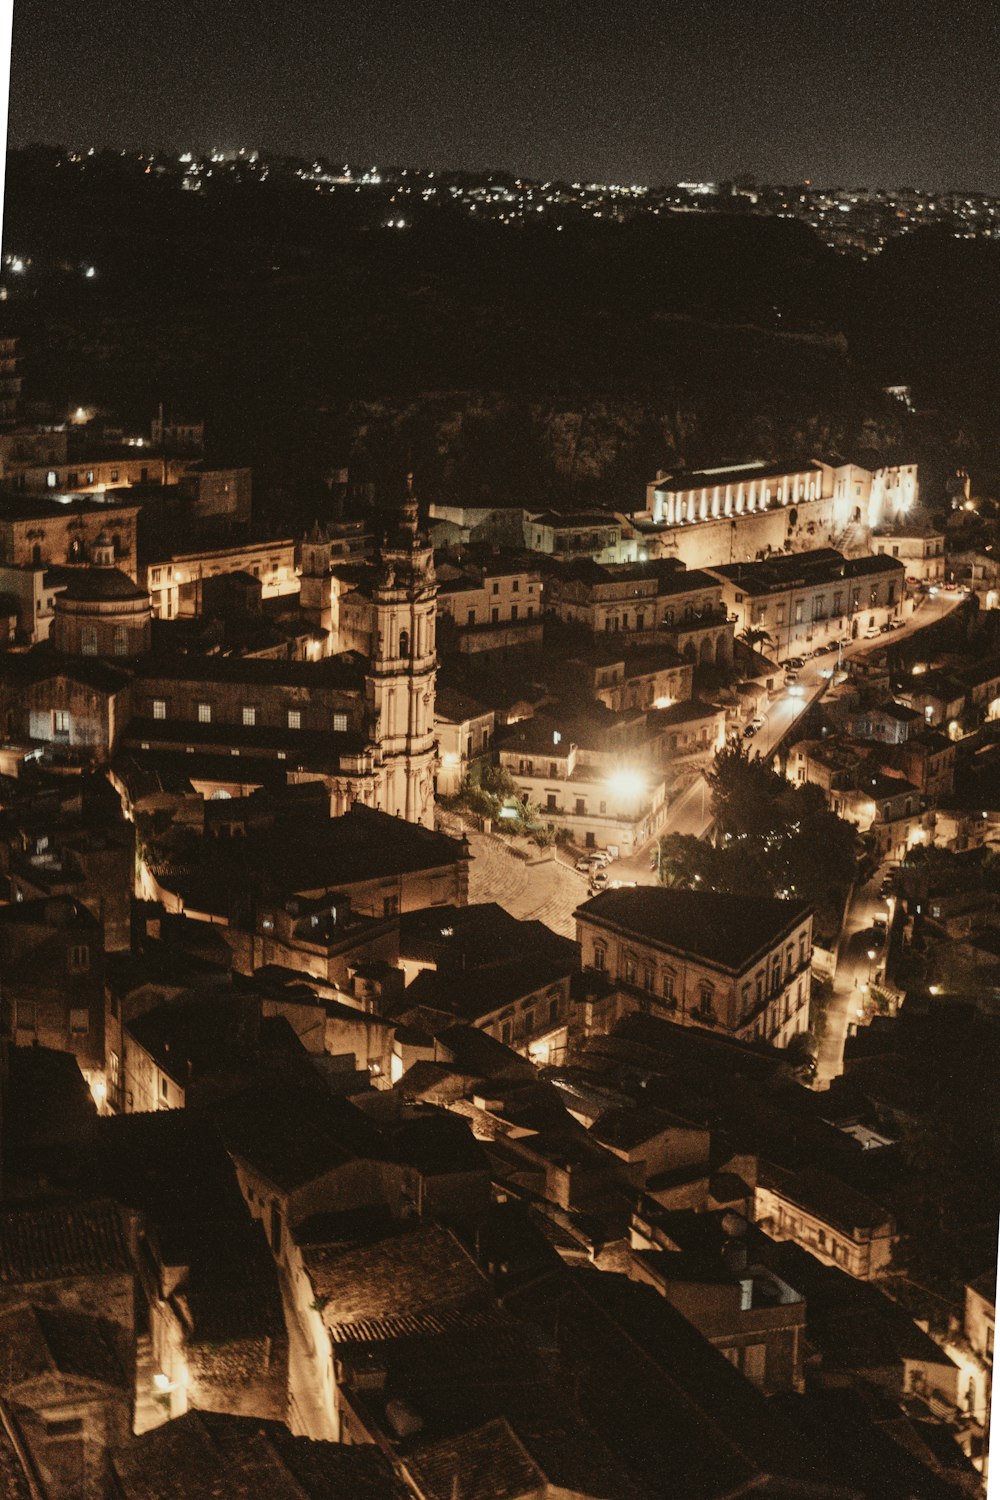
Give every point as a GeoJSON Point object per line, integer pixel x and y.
{"type": "Point", "coordinates": [753, 636]}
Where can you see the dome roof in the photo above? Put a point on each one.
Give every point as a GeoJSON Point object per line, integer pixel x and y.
{"type": "Point", "coordinates": [95, 585]}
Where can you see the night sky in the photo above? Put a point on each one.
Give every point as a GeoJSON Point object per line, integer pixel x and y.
{"type": "Point", "coordinates": [861, 92]}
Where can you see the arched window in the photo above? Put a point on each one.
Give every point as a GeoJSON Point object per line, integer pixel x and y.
{"type": "Point", "coordinates": [404, 644]}
{"type": "Point", "coordinates": [36, 553]}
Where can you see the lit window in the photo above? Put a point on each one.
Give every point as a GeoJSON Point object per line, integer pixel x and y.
{"type": "Point", "coordinates": [60, 721]}
{"type": "Point", "coordinates": [51, 478]}
{"type": "Point", "coordinates": [249, 717]}
{"type": "Point", "coordinates": [159, 708]}
{"type": "Point", "coordinates": [340, 723]}
{"type": "Point", "coordinates": [79, 1021]}
{"type": "Point", "coordinates": [204, 713]}
{"type": "Point", "coordinates": [294, 718]}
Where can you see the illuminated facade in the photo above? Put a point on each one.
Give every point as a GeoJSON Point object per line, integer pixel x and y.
{"type": "Point", "coordinates": [740, 512]}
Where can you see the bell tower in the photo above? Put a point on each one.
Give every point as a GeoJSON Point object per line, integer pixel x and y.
{"type": "Point", "coordinates": [402, 666]}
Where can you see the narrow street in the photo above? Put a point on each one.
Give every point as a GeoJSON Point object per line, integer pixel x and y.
{"type": "Point", "coordinates": [854, 970]}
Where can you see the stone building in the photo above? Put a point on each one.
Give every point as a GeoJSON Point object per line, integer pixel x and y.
{"type": "Point", "coordinates": [644, 603]}
{"type": "Point", "coordinates": [37, 530]}
{"type": "Point", "coordinates": [736, 964]}
{"type": "Point", "coordinates": [361, 723]}
{"type": "Point", "coordinates": [102, 611]}
{"type": "Point", "coordinates": [52, 963]}
{"type": "Point", "coordinates": [811, 599]}
{"type": "Point", "coordinates": [742, 512]}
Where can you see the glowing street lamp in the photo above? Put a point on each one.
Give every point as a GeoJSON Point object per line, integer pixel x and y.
{"type": "Point", "coordinates": [626, 784]}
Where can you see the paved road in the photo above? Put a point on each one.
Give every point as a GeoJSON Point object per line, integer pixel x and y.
{"type": "Point", "coordinates": [855, 970]}
{"type": "Point", "coordinates": [550, 891]}
{"type": "Point", "coordinates": [691, 812]}
{"type": "Point", "coordinates": [547, 892]}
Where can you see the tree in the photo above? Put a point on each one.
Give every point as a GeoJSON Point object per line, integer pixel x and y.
{"type": "Point", "coordinates": [771, 837]}
{"type": "Point", "coordinates": [753, 636]}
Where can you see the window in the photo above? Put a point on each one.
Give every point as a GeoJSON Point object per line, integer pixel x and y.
{"type": "Point", "coordinates": [505, 1033]}
{"type": "Point", "coordinates": [60, 721]}
{"type": "Point", "coordinates": [404, 643]}
{"type": "Point", "coordinates": [494, 616]}
{"type": "Point", "coordinates": [471, 617]}
{"type": "Point", "coordinates": [51, 479]}
{"type": "Point", "coordinates": [204, 713]}
{"type": "Point", "coordinates": [668, 988]}
{"type": "Point", "coordinates": [90, 476]}
{"type": "Point", "coordinates": [114, 476]}
{"type": "Point", "coordinates": [630, 969]}
{"type": "Point", "coordinates": [159, 708]}
{"type": "Point", "coordinates": [706, 998]}
{"type": "Point", "coordinates": [553, 1011]}
{"type": "Point", "coordinates": [79, 1021]}
{"type": "Point", "coordinates": [163, 1087]}
{"type": "Point", "coordinates": [390, 906]}
{"type": "Point", "coordinates": [249, 717]}
{"type": "Point", "coordinates": [64, 1427]}
{"type": "Point", "coordinates": [88, 641]}
{"type": "Point", "coordinates": [513, 612]}
{"type": "Point", "coordinates": [295, 718]}
{"type": "Point", "coordinates": [78, 959]}
{"type": "Point", "coordinates": [529, 1019]}
{"type": "Point", "coordinates": [838, 603]}
{"type": "Point", "coordinates": [516, 585]}
{"type": "Point", "coordinates": [600, 958]}
{"type": "Point", "coordinates": [531, 611]}
{"type": "Point", "coordinates": [496, 587]}
{"type": "Point", "coordinates": [648, 978]}
{"type": "Point", "coordinates": [340, 723]}
{"type": "Point", "coordinates": [114, 1068]}
{"type": "Point", "coordinates": [121, 641]}
{"type": "Point", "coordinates": [800, 605]}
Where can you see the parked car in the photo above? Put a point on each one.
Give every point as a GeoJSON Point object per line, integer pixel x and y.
{"type": "Point", "coordinates": [602, 859]}
{"type": "Point", "coordinates": [872, 633]}
{"type": "Point", "coordinates": [598, 881]}
{"type": "Point", "coordinates": [750, 731]}
{"type": "Point", "coordinates": [794, 663]}
{"type": "Point", "coordinates": [791, 677]}
{"type": "Point", "coordinates": [585, 865]}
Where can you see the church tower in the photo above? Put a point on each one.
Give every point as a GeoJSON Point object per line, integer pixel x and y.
{"type": "Point", "coordinates": [402, 665]}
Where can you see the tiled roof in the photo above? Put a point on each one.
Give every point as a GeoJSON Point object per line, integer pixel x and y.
{"type": "Point", "coordinates": [424, 1270]}
{"type": "Point", "coordinates": [489, 1463]}
{"type": "Point", "coordinates": [46, 1242]}
{"type": "Point", "coordinates": [39, 1340]}
{"type": "Point", "coordinates": [724, 929]}
{"type": "Point", "coordinates": [207, 1455]}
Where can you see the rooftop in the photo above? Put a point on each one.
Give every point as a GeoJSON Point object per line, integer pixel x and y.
{"type": "Point", "coordinates": [244, 1458]}
{"type": "Point", "coordinates": [726, 930]}
{"type": "Point", "coordinates": [759, 468]}
{"type": "Point", "coordinates": [40, 1341]}
{"type": "Point", "coordinates": [805, 570]}
{"type": "Point", "coordinates": [371, 1292]}
{"type": "Point", "coordinates": [50, 1241]}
